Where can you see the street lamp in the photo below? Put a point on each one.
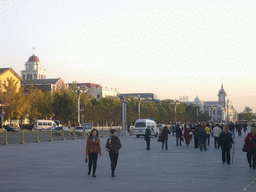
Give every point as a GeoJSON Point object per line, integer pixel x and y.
{"type": "Point", "coordinates": [78, 91]}
{"type": "Point", "coordinates": [175, 104]}
{"type": "Point", "coordinates": [139, 105]}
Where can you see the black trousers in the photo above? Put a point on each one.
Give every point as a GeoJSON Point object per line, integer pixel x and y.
{"type": "Point", "coordinates": [93, 161]}
{"type": "Point", "coordinates": [202, 144]}
{"type": "Point", "coordinates": [148, 142]}
{"type": "Point", "coordinates": [113, 158]}
{"type": "Point", "coordinates": [196, 142]}
{"type": "Point", "coordinates": [166, 146]}
{"type": "Point", "coordinates": [225, 155]}
{"type": "Point", "coordinates": [251, 157]}
{"type": "Point", "coordinates": [177, 139]}
{"type": "Point", "coordinates": [216, 141]}
{"type": "Point", "coordinates": [208, 138]}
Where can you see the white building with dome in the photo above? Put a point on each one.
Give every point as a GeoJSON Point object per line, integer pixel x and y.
{"type": "Point", "coordinates": [221, 110]}
{"type": "Point", "coordinates": [34, 69]}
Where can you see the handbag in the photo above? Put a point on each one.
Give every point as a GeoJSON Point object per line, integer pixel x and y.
{"type": "Point", "coordinates": [160, 138]}
{"type": "Point", "coordinates": [247, 146]}
{"type": "Point", "coordinates": [86, 160]}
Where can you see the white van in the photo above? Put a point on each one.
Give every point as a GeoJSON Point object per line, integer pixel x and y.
{"type": "Point", "coordinates": [142, 124]}
{"type": "Point", "coordinates": [41, 124]}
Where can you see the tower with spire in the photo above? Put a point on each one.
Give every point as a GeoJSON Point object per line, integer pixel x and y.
{"type": "Point", "coordinates": [222, 97]}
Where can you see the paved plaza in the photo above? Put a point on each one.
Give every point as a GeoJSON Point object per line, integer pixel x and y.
{"type": "Point", "coordinates": [60, 166]}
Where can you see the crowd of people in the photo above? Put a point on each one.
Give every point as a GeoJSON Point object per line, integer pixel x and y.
{"type": "Point", "coordinates": [223, 135]}
{"type": "Point", "coordinates": [201, 133]}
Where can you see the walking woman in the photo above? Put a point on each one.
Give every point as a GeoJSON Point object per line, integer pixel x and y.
{"type": "Point", "coordinates": [93, 148]}
{"type": "Point", "coordinates": [250, 144]}
{"type": "Point", "coordinates": [187, 135]}
{"type": "Point", "coordinates": [164, 134]}
{"type": "Point", "coordinates": [113, 145]}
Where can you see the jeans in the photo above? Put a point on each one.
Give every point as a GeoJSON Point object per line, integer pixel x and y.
{"type": "Point", "coordinates": [226, 153]}
{"type": "Point", "coordinates": [177, 139]}
{"type": "Point", "coordinates": [196, 142]}
{"type": "Point", "coordinates": [208, 138]}
{"type": "Point", "coordinates": [148, 142]}
{"type": "Point", "coordinates": [113, 158]}
{"type": "Point", "coordinates": [251, 157]}
{"type": "Point", "coordinates": [166, 146]}
{"type": "Point", "coordinates": [93, 161]}
{"type": "Point", "coordinates": [216, 141]}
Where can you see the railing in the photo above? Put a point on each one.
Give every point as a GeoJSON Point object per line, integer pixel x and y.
{"type": "Point", "coordinates": [50, 135]}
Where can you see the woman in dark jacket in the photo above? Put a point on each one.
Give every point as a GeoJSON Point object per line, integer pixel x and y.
{"type": "Point", "coordinates": [164, 134]}
{"type": "Point", "coordinates": [250, 143]}
{"type": "Point", "coordinates": [113, 145]}
{"type": "Point", "coordinates": [93, 148]}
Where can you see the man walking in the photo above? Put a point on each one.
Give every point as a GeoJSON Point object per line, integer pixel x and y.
{"type": "Point", "coordinates": [178, 131]}
{"type": "Point", "coordinates": [226, 142]}
{"type": "Point", "coordinates": [147, 137]}
{"type": "Point", "coordinates": [164, 134]}
{"type": "Point", "coordinates": [202, 138]}
{"type": "Point", "coordinates": [216, 133]}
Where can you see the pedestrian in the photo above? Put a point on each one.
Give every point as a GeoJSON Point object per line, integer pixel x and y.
{"type": "Point", "coordinates": [178, 131]}
{"type": "Point", "coordinates": [250, 147]}
{"type": "Point", "coordinates": [226, 142]}
{"type": "Point", "coordinates": [92, 149]}
{"type": "Point", "coordinates": [208, 133]}
{"type": "Point", "coordinates": [113, 146]}
{"type": "Point", "coordinates": [164, 134]}
{"type": "Point", "coordinates": [202, 138]}
{"type": "Point", "coordinates": [195, 133]}
{"type": "Point", "coordinates": [147, 137]}
{"type": "Point", "coordinates": [216, 133]}
{"type": "Point", "coordinates": [187, 135]}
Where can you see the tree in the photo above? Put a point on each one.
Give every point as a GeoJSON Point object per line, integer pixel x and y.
{"type": "Point", "coordinates": [13, 100]}
{"type": "Point", "coordinates": [246, 114]}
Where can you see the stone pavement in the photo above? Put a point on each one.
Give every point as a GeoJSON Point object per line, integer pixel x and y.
{"type": "Point", "coordinates": [59, 166]}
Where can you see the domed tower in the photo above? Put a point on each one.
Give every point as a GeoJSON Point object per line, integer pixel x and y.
{"type": "Point", "coordinates": [34, 69]}
{"type": "Point", "coordinates": [222, 97]}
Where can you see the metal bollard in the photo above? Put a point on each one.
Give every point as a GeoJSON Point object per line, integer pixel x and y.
{"type": "Point", "coordinates": [84, 132]}
{"type": "Point", "coordinates": [74, 134]}
{"type": "Point", "coordinates": [5, 138]}
{"type": "Point", "coordinates": [22, 137]}
{"type": "Point", "coordinates": [37, 136]}
{"type": "Point", "coordinates": [63, 135]}
{"type": "Point", "coordinates": [102, 132]}
{"type": "Point", "coordinates": [51, 140]}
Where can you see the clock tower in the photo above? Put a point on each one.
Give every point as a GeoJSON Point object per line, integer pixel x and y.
{"type": "Point", "coordinates": [222, 97]}
{"type": "Point", "coordinates": [34, 69]}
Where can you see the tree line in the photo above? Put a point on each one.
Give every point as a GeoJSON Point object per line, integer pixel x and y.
{"type": "Point", "coordinates": [63, 105]}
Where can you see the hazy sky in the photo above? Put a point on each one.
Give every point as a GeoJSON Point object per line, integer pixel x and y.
{"type": "Point", "coordinates": [168, 47]}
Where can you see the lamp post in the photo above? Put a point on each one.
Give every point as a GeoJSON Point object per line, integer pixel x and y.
{"type": "Point", "coordinates": [78, 91]}
{"type": "Point", "coordinates": [175, 104]}
{"type": "Point", "coordinates": [139, 105]}
{"type": "Point", "coordinates": [124, 117]}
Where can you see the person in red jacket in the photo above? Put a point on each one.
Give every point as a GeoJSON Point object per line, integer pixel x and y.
{"type": "Point", "coordinates": [187, 135]}
{"type": "Point", "coordinates": [250, 140]}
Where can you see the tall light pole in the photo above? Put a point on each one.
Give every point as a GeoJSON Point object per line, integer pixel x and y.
{"type": "Point", "coordinates": [124, 117]}
{"type": "Point", "coordinates": [175, 103]}
{"type": "Point", "coordinates": [78, 91]}
{"type": "Point", "coordinates": [139, 105]}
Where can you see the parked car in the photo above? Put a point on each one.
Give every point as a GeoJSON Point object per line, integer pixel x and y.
{"type": "Point", "coordinates": [80, 130]}
{"type": "Point", "coordinates": [10, 128]}
{"type": "Point", "coordinates": [58, 130]}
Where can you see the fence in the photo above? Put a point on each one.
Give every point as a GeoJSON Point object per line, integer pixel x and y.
{"type": "Point", "coordinates": [50, 135]}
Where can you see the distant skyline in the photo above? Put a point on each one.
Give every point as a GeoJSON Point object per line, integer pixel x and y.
{"type": "Point", "coordinates": [170, 48]}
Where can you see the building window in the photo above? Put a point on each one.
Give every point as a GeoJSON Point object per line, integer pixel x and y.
{"type": "Point", "coordinates": [24, 76]}
{"type": "Point", "coordinates": [34, 76]}
{"type": "Point", "coordinates": [98, 96]}
{"type": "Point", "coordinates": [219, 112]}
{"type": "Point", "coordinates": [27, 76]}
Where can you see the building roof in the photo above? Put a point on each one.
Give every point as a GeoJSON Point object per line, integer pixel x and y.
{"type": "Point", "coordinates": [40, 81]}
{"type": "Point", "coordinates": [33, 58]}
{"type": "Point", "coordinates": [4, 70]}
{"type": "Point", "coordinates": [89, 85]}
{"type": "Point", "coordinates": [211, 103]}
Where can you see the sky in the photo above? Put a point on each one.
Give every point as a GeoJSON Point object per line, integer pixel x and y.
{"type": "Point", "coordinates": [171, 48]}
